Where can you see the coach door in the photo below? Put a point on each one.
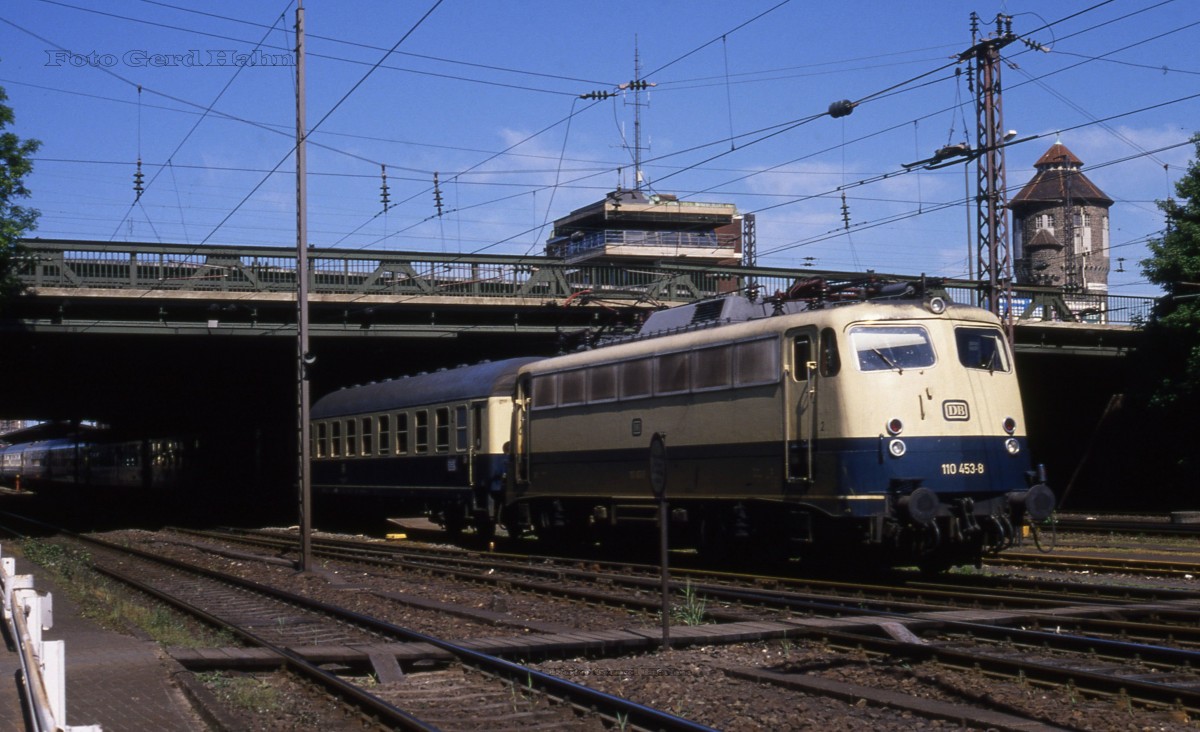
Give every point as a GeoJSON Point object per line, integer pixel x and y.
{"type": "Point", "coordinates": [800, 401]}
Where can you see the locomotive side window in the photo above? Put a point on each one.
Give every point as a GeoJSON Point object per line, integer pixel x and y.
{"type": "Point", "coordinates": [460, 428]}
{"type": "Point", "coordinates": [756, 362]}
{"type": "Point", "coordinates": [335, 439]}
{"type": "Point", "coordinates": [981, 348]}
{"type": "Point", "coordinates": [441, 423]}
{"type": "Point", "coordinates": [572, 387]}
{"type": "Point", "coordinates": [672, 376]}
{"type": "Point", "coordinates": [831, 360]}
{"type": "Point", "coordinates": [545, 391]}
{"type": "Point", "coordinates": [802, 354]}
{"type": "Point", "coordinates": [636, 377]}
{"type": "Point", "coordinates": [322, 440]}
{"type": "Point", "coordinates": [385, 434]}
{"type": "Point", "coordinates": [712, 368]}
{"type": "Point", "coordinates": [402, 434]}
{"type": "Point", "coordinates": [421, 428]}
{"type": "Point", "coordinates": [602, 383]}
{"type": "Point", "coordinates": [891, 347]}
{"type": "Point", "coordinates": [351, 438]}
{"type": "Point", "coordinates": [368, 443]}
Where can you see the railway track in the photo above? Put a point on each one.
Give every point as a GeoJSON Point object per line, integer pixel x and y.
{"type": "Point", "coordinates": [293, 630]}
{"type": "Point", "coordinates": [1106, 640]}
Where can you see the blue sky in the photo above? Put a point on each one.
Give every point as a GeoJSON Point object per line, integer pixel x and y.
{"type": "Point", "coordinates": [486, 94]}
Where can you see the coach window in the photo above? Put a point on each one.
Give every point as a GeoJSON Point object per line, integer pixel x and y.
{"type": "Point", "coordinates": [421, 428]}
{"type": "Point", "coordinates": [441, 422]}
{"type": "Point", "coordinates": [671, 376]}
{"type": "Point", "coordinates": [831, 361]}
{"type": "Point", "coordinates": [352, 438]}
{"type": "Point", "coordinates": [368, 443]}
{"type": "Point", "coordinates": [461, 426]}
{"type": "Point", "coordinates": [385, 434]}
{"type": "Point", "coordinates": [712, 368]}
{"type": "Point", "coordinates": [981, 348]}
{"type": "Point", "coordinates": [602, 383]}
{"type": "Point", "coordinates": [402, 434]}
{"type": "Point", "coordinates": [477, 424]}
{"type": "Point", "coordinates": [756, 362]}
{"type": "Point", "coordinates": [335, 439]}
{"type": "Point", "coordinates": [322, 439]}
{"type": "Point", "coordinates": [636, 377]}
{"type": "Point", "coordinates": [545, 391]}
{"type": "Point", "coordinates": [572, 388]}
{"type": "Point", "coordinates": [802, 355]}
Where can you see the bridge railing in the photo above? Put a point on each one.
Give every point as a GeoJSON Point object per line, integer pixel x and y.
{"type": "Point", "coordinates": [185, 268]}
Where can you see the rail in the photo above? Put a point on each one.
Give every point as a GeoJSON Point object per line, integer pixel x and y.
{"type": "Point", "coordinates": [43, 664]}
{"type": "Point", "coordinates": [186, 269]}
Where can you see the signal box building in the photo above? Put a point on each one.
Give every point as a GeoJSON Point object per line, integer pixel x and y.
{"type": "Point", "coordinates": [630, 226]}
{"type": "Point", "coordinates": [1060, 226]}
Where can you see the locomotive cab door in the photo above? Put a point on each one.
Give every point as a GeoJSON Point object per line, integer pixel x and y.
{"type": "Point", "coordinates": [800, 406]}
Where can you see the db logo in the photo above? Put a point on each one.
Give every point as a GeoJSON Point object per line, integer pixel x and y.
{"type": "Point", "coordinates": [956, 410]}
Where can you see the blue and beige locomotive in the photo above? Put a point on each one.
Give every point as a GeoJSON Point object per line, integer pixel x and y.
{"type": "Point", "coordinates": [888, 430]}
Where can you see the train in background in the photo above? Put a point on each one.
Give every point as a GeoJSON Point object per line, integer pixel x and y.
{"type": "Point", "coordinates": [889, 429]}
{"type": "Point", "coordinates": [92, 459]}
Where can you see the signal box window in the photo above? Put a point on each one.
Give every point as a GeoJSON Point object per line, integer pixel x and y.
{"type": "Point", "coordinates": [831, 360]}
{"type": "Point", "coordinates": [441, 421]}
{"type": "Point", "coordinates": [891, 347]}
{"type": "Point", "coordinates": [421, 428]}
{"type": "Point", "coordinates": [402, 434]}
{"type": "Point", "coordinates": [385, 434]}
{"type": "Point", "coordinates": [981, 348]}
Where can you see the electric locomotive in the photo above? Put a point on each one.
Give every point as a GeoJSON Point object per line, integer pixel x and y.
{"type": "Point", "coordinates": [889, 430]}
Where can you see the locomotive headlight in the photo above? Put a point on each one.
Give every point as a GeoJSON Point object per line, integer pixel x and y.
{"type": "Point", "coordinates": [1010, 425]}
{"type": "Point", "coordinates": [1012, 446]}
{"type": "Point", "coordinates": [895, 426]}
{"type": "Point", "coordinates": [897, 448]}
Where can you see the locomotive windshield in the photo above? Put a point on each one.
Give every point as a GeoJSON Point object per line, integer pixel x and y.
{"type": "Point", "coordinates": [891, 347]}
{"type": "Point", "coordinates": [981, 348]}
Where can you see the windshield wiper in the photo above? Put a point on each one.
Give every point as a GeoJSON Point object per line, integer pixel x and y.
{"type": "Point", "coordinates": [887, 360]}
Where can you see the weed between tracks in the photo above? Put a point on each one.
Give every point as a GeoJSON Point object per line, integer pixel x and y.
{"type": "Point", "coordinates": [111, 605]}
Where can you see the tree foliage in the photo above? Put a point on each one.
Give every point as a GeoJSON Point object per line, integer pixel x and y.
{"type": "Point", "coordinates": [15, 220]}
{"type": "Point", "coordinates": [1174, 264]}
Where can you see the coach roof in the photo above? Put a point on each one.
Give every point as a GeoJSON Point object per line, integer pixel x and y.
{"type": "Point", "coordinates": [494, 378]}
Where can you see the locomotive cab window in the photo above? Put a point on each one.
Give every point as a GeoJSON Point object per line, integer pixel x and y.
{"type": "Point", "coordinates": [981, 348]}
{"type": "Point", "coordinates": [891, 347]}
{"type": "Point", "coordinates": [831, 359]}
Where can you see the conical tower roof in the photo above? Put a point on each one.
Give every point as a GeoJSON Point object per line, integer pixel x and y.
{"type": "Point", "coordinates": [1058, 176]}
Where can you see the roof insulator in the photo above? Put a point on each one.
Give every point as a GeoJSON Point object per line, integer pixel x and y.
{"type": "Point", "coordinates": [841, 108]}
